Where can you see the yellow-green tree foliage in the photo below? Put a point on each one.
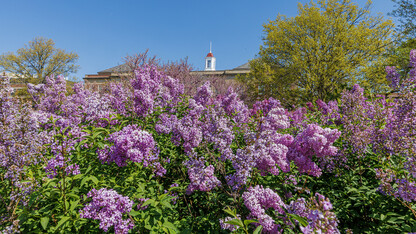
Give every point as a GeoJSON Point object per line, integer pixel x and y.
{"type": "Point", "coordinates": [37, 60]}
{"type": "Point", "coordinates": [328, 46]}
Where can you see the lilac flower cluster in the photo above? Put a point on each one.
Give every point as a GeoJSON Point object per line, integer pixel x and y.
{"type": "Point", "coordinates": [298, 117]}
{"type": "Point", "coordinates": [264, 106]}
{"type": "Point", "coordinates": [234, 107]}
{"type": "Point", "coordinates": [202, 177]}
{"type": "Point", "coordinates": [153, 88]}
{"type": "Point", "coordinates": [318, 213]}
{"type": "Point", "coordinates": [108, 207]}
{"type": "Point", "coordinates": [80, 107]}
{"type": "Point", "coordinates": [132, 144]}
{"type": "Point", "coordinates": [120, 98]}
{"type": "Point", "coordinates": [266, 149]}
{"type": "Point", "coordinates": [258, 200]}
{"type": "Point", "coordinates": [21, 145]}
{"type": "Point", "coordinates": [58, 163]}
{"type": "Point", "coordinates": [313, 141]}
{"type": "Point", "coordinates": [329, 112]}
{"type": "Point", "coordinates": [405, 188]}
{"type": "Point", "coordinates": [393, 77]}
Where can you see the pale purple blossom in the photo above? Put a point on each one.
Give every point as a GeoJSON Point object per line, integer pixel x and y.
{"type": "Point", "coordinates": [108, 207]}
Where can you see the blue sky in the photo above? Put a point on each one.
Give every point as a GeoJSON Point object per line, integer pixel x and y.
{"type": "Point", "coordinates": [103, 32]}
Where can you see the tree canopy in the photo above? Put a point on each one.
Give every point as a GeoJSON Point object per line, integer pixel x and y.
{"type": "Point", "coordinates": [37, 60]}
{"type": "Point", "coordinates": [328, 46]}
{"type": "Point", "coordinates": [406, 12]}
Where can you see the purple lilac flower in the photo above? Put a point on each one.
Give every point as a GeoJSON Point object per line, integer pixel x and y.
{"type": "Point", "coordinates": [265, 106]}
{"type": "Point", "coordinates": [313, 141]}
{"type": "Point", "coordinates": [258, 200]}
{"type": "Point", "coordinates": [275, 119]}
{"type": "Point", "coordinates": [132, 144]}
{"type": "Point", "coordinates": [310, 106]}
{"type": "Point", "coordinates": [146, 85]}
{"type": "Point", "coordinates": [322, 106]}
{"type": "Point", "coordinates": [21, 143]}
{"type": "Point", "coordinates": [204, 94]}
{"type": "Point", "coordinates": [108, 207]}
{"type": "Point", "coordinates": [290, 179]}
{"type": "Point", "coordinates": [234, 107]}
{"type": "Point", "coordinates": [318, 213]}
{"type": "Point", "coordinates": [174, 195]}
{"type": "Point", "coordinates": [202, 177]}
{"type": "Point", "coordinates": [297, 117]}
{"type": "Point", "coordinates": [217, 129]}
{"type": "Point", "coordinates": [393, 77]}
{"type": "Point", "coordinates": [60, 162]}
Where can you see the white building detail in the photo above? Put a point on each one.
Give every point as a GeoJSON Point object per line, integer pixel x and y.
{"type": "Point", "coordinates": [210, 60]}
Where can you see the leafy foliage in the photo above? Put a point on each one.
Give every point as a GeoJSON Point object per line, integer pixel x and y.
{"type": "Point", "coordinates": [317, 54]}
{"type": "Point", "coordinates": [37, 60]}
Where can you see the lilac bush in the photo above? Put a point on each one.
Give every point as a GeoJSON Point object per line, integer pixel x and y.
{"type": "Point", "coordinates": [205, 152]}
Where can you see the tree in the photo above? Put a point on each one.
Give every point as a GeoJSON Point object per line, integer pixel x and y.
{"type": "Point", "coordinates": [37, 60]}
{"type": "Point", "coordinates": [316, 54]}
{"type": "Point", "coordinates": [406, 12]}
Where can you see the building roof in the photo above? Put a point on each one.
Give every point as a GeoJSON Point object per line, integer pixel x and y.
{"type": "Point", "coordinates": [210, 54]}
{"type": "Point", "coordinates": [245, 66]}
{"type": "Point", "coordinates": [117, 69]}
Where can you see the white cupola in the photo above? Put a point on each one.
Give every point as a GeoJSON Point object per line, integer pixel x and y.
{"type": "Point", "coordinates": [210, 60]}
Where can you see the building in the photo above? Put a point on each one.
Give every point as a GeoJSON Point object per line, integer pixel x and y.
{"type": "Point", "coordinates": [95, 81]}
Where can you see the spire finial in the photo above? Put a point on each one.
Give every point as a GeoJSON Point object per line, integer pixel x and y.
{"type": "Point", "coordinates": [210, 46]}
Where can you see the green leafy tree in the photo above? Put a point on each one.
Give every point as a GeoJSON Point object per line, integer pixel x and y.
{"type": "Point", "coordinates": [315, 55]}
{"type": "Point", "coordinates": [37, 60]}
{"type": "Point", "coordinates": [406, 12]}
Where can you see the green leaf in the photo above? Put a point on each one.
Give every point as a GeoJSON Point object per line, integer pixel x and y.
{"type": "Point", "coordinates": [249, 221]}
{"type": "Point", "coordinates": [230, 212]}
{"type": "Point", "coordinates": [302, 221]}
{"type": "Point", "coordinates": [134, 213]}
{"type": "Point", "coordinates": [166, 204]}
{"type": "Point", "coordinates": [62, 221]}
{"type": "Point", "coordinates": [235, 222]}
{"type": "Point", "coordinates": [88, 169]}
{"type": "Point", "coordinates": [148, 202]}
{"type": "Point", "coordinates": [44, 222]}
{"type": "Point", "coordinates": [94, 179]}
{"type": "Point", "coordinates": [74, 205]}
{"type": "Point", "coordinates": [258, 229]}
{"type": "Point", "coordinates": [170, 226]}
{"type": "Point", "coordinates": [83, 181]}
{"type": "Point", "coordinates": [72, 195]}
{"type": "Point", "coordinates": [78, 176]}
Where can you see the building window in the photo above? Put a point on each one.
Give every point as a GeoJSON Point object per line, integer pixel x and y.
{"type": "Point", "coordinates": [208, 63]}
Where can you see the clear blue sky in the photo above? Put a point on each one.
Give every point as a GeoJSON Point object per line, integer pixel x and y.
{"type": "Point", "coordinates": [102, 32]}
